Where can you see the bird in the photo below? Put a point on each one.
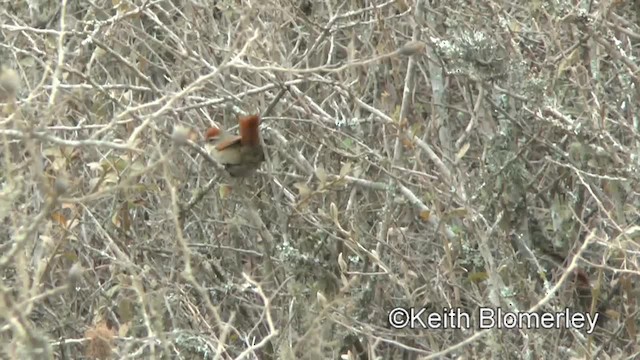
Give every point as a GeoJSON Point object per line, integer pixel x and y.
{"type": "Point", "coordinates": [240, 154]}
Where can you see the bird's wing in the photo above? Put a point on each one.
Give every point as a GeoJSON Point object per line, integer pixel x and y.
{"type": "Point", "coordinates": [229, 142]}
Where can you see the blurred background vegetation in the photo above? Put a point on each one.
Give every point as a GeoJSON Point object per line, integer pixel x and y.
{"type": "Point", "coordinates": [429, 154]}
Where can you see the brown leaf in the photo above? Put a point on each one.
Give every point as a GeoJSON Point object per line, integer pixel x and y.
{"type": "Point", "coordinates": [59, 218]}
{"type": "Point", "coordinates": [100, 341]}
{"type": "Point", "coordinates": [425, 215]}
{"type": "Point", "coordinates": [224, 191]}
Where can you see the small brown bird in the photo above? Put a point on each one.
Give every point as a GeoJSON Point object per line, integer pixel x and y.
{"type": "Point", "coordinates": [240, 154]}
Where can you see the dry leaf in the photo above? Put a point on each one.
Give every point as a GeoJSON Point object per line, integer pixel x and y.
{"type": "Point", "coordinates": [462, 152]}
{"type": "Point", "coordinates": [333, 209]}
{"type": "Point", "coordinates": [124, 329]}
{"type": "Point", "coordinates": [425, 215]}
{"type": "Point", "coordinates": [321, 174]}
{"type": "Point", "coordinates": [477, 277]}
{"type": "Point", "coordinates": [321, 299]}
{"type": "Point", "coordinates": [224, 191]}
{"type": "Point", "coordinates": [345, 170]}
{"type": "Point", "coordinates": [303, 189]}
{"type": "Point", "coordinates": [59, 218]}
{"type": "Point", "coordinates": [100, 341]}
{"type": "Point", "coordinates": [407, 143]}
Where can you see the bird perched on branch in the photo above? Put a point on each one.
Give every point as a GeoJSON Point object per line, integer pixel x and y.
{"type": "Point", "coordinates": [240, 154]}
